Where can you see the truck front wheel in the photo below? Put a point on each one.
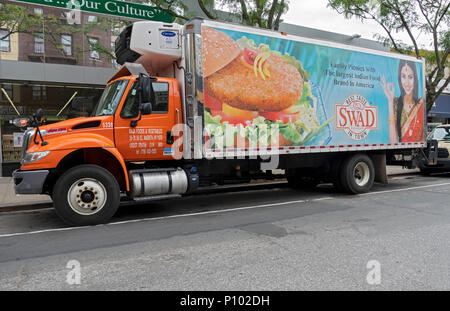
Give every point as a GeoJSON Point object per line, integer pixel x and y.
{"type": "Point", "coordinates": [86, 195]}
{"type": "Point", "coordinates": [357, 174]}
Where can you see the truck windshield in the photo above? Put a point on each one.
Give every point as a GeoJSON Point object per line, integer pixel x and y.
{"type": "Point", "coordinates": [441, 133]}
{"type": "Point", "coordinates": [111, 97]}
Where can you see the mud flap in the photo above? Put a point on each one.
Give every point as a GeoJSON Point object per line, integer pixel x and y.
{"type": "Point", "coordinates": [379, 162]}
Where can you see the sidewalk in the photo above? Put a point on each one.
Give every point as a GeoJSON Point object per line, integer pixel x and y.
{"type": "Point", "coordinates": [8, 198]}
{"type": "Point", "coordinates": [398, 170]}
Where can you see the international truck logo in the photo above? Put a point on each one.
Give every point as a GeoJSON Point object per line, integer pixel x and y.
{"type": "Point", "coordinates": [356, 117]}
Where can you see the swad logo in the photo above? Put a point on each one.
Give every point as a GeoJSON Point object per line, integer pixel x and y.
{"type": "Point", "coordinates": [356, 117]}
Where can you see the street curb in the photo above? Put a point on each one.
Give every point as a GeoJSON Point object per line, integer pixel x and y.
{"type": "Point", "coordinates": [404, 174]}
{"type": "Point", "coordinates": [12, 207]}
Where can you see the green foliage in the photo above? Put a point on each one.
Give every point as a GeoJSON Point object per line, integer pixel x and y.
{"type": "Point", "coordinates": [261, 13]}
{"type": "Point", "coordinates": [19, 19]}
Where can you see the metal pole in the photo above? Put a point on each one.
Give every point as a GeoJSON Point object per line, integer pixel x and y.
{"type": "Point", "coordinates": [74, 94]}
{"type": "Point", "coordinates": [43, 34]}
{"type": "Point", "coordinates": [10, 101]}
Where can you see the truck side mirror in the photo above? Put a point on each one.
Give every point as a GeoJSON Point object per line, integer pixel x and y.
{"type": "Point", "coordinates": [38, 115]}
{"type": "Point", "coordinates": [21, 122]}
{"type": "Point", "coordinates": [146, 88]}
{"type": "Point", "coordinates": [146, 108]}
{"type": "Point", "coordinates": [146, 97]}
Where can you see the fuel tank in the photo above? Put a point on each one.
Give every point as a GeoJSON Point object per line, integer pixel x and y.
{"type": "Point", "coordinates": [144, 183]}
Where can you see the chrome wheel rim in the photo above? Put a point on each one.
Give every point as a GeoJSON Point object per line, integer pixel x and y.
{"type": "Point", "coordinates": [361, 174]}
{"type": "Point", "coordinates": [87, 196]}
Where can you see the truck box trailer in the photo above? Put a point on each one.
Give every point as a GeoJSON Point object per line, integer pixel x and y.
{"type": "Point", "coordinates": [208, 103]}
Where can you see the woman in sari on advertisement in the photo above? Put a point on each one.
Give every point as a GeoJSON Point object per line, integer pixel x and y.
{"type": "Point", "coordinates": [406, 115]}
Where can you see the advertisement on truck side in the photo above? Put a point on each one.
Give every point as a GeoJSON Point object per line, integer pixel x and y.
{"type": "Point", "coordinates": [267, 91]}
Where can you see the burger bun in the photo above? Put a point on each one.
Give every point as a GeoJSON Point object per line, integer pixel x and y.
{"type": "Point", "coordinates": [218, 50]}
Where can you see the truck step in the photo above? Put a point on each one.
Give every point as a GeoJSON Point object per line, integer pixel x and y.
{"type": "Point", "coordinates": [152, 170]}
{"type": "Point", "coordinates": [157, 197]}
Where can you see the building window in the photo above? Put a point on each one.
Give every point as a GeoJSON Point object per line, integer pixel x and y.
{"type": "Point", "coordinates": [38, 11]}
{"type": "Point", "coordinates": [93, 43]}
{"type": "Point", "coordinates": [66, 41]}
{"type": "Point", "coordinates": [39, 44]}
{"type": "Point", "coordinates": [161, 90]}
{"type": "Point", "coordinates": [39, 92]}
{"type": "Point", "coordinates": [92, 19]}
{"type": "Point", "coordinates": [115, 31]}
{"type": "Point", "coordinates": [5, 44]}
{"type": "Point", "coordinates": [9, 90]}
{"type": "Point", "coordinates": [113, 59]}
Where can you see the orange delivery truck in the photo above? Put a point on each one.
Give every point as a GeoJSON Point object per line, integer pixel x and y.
{"type": "Point", "coordinates": [211, 103]}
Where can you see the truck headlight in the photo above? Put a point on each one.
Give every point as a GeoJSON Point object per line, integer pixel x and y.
{"type": "Point", "coordinates": [34, 156]}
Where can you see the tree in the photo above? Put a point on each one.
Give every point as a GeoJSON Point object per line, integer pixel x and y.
{"type": "Point", "coordinates": [413, 16]}
{"type": "Point", "coordinates": [261, 13]}
{"type": "Point", "coordinates": [18, 19]}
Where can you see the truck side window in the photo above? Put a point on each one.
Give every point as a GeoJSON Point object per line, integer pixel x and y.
{"type": "Point", "coordinates": [161, 90]}
{"type": "Point", "coordinates": [130, 108]}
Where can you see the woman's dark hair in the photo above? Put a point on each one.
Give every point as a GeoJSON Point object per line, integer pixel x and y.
{"type": "Point", "coordinates": [411, 65]}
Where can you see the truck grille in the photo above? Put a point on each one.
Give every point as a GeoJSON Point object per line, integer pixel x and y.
{"type": "Point", "coordinates": [443, 153]}
{"type": "Point", "coordinates": [27, 136]}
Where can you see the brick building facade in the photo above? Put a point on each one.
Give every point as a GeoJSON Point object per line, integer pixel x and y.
{"type": "Point", "coordinates": [54, 65]}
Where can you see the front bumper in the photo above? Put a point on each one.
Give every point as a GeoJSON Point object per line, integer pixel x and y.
{"type": "Point", "coordinates": [29, 182]}
{"type": "Point", "coordinates": [442, 165]}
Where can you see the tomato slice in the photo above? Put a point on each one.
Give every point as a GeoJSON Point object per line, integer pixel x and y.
{"type": "Point", "coordinates": [284, 117]}
{"type": "Point", "coordinates": [212, 102]}
{"type": "Point", "coordinates": [231, 119]}
{"type": "Point", "coordinates": [249, 56]}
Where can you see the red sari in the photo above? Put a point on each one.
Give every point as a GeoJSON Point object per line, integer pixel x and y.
{"type": "Point", "coordinates": [413, 127]}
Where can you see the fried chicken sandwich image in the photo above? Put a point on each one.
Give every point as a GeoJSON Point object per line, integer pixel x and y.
{"type": "Point", "coordinates": [255, 97]}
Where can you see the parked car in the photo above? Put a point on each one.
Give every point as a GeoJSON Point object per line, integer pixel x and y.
{"type": "Point", "coordinates": [431, 126]}
{"type": "Point", "coordinates": [441, 134]}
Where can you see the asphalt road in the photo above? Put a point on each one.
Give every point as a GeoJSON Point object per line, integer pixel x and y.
{"type": "Point", "coordinates": [394, 238]}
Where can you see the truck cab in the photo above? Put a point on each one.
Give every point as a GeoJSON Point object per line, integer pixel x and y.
{"type": "Point", "coordinates": [132, 123]}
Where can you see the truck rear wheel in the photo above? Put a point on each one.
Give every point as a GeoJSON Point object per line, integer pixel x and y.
{"type": "Point", "coordinates": [86, 195]}
{"type": "Point", "coordinates": [357, 174]}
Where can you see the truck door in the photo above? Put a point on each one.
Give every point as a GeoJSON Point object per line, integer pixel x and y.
{"type": "Point", "coordinates": [151, 138]}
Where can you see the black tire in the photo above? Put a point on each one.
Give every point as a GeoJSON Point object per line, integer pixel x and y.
{"type": "Point", "coordinates": [425, 171]}
{"type": "Point", "coordinates": [357, 174]}
{"type": "Point", "coordinates": [96, 184]}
